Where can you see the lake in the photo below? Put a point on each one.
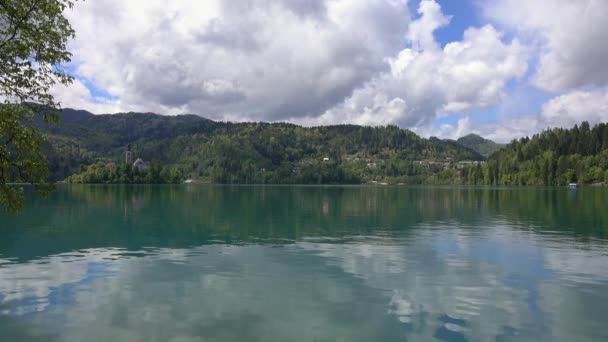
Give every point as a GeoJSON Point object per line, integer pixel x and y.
{"type": "Point", "coordinates": [303, 263]}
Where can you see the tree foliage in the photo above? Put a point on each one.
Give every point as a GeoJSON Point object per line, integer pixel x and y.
{"type": "Point", "coordinates": [219, 152]}
{"type": "Point", "coordinates": [553, 157]}
{"type": "Point", "coordinates": [33, 39]}
{"type": "Point", "coordinates": [111, 173]}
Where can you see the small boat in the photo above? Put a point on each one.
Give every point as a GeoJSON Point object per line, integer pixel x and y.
{"type": "Point", "coordinates": [572, 185]}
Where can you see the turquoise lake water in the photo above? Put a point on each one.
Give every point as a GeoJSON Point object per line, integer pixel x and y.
{"type": "Point", "coordinates": [289, 263]}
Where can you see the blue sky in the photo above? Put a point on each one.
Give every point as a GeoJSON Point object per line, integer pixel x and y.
{"type": "Point", "coordinates": [464, 15]}
{"type": "Point", "coordinates": [524, 98]}
{"type": "Point", "coordinates": [501, 69]}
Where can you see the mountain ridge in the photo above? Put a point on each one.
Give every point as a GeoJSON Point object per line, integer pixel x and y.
{"type": "Point", "coordinates": [227, 152]}
{"type": "Point", "coordinates": [483, 146]}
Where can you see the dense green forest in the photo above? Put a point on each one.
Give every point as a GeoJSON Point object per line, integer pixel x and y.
{"type": "Point", "coordinates": [553, 157]}
{"type": "Point", "coordinates": [123, 173]}
{"type": "Point", "coordinates": [190, 147]}
{"type": "Point", "coordinates": [87, 148]}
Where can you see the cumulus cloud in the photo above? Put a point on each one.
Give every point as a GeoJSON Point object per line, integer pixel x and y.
{"type": "Point", "coordinates": [501, 131]}
{"type": "Point", "coordinates": [426, 81]}
{"type": "Point", "coordinates": [567, 39]}
{"type": "Point", "coordinates": [570, 36]}
{"type": "Point", "coordinates": [77, 95]}
{"type": "Point", "coordinates": [462, 128]}
{"type": "Point", "coordinates": [574, 107]}
{"type": "Point", "coordinates": [563, 111]}
{"type": "Point", "coordinates": [309, 62]}
{"type": "Point", "coordinates": [270, 60]}
{"type": "Point", "coordinates": [511, 128]}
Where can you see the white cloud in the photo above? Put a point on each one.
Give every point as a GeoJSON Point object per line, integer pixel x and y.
{"type": "Point", "coordinates": [501, 131]}
{"type": "Point", "coordinates": [463, 127]}
{"type": "Point", "coordinates": [575, 107]}
{"type": "Point", "coordinates": [425, 81]}
{"type": "Point", "coordinates": [77, 95]}
{"type": "Point", "coordinates": [570, 36]}
{"type": "Point", "coordinates": [567, 38]}
{"type": "Point", "coordinates": [271, 60]}
{"type": "Point", "coordinates": [421, 31]}
{"type": "Point", "coordinates": [562, 111]}
{"type": "Point", "coordinates": [511, 128]}
{"type": "Point", "coordinates": [309, 62]}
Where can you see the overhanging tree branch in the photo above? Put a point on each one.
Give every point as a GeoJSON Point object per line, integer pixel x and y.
{"type": "Point", "coordinates": [35, 38]}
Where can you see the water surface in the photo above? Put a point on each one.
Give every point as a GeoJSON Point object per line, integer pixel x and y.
{"type": "Point", "coordinates": [279, 263]}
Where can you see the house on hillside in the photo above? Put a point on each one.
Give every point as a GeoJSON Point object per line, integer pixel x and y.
{"type": "Point", "coordinates": [139, 165]}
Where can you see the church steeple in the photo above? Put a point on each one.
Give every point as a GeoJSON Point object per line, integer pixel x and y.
{"type": "Point", "coordinates": [128, 155]}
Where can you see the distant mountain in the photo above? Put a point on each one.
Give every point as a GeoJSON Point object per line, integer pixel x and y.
{"type": "Point", "coordinates": [483, 146]}
{"type": "Point", "coordinates": [223, 152]}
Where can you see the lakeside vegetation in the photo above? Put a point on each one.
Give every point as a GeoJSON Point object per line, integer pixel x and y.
{"type": "Point", "coordinates": [88, 148]}
{"type": "Point", "coordinates": [191, 147]}
{"type": "Point", "coordinates": [553, 157]}
{"type": "Point", "coordinates": [124, 173]}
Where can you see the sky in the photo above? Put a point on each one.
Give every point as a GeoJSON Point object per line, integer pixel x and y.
{"type": "Point", "coordinates": [502, 69]}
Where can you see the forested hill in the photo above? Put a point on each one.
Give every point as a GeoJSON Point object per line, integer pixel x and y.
{"type": "Point", "coordinates": [221, 152]}
{"type": "Point", "coordinates": [481, 145]}
{"type": "Point", "coordinates": [553, 157]}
